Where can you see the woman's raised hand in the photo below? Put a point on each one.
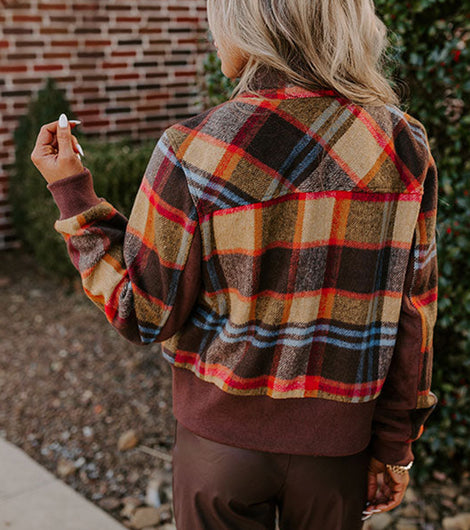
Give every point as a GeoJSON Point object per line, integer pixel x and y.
{"type": "Point", "coordinates": [57, 152]}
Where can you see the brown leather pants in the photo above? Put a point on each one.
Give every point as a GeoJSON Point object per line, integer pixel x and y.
{"type": "Point", "coordinates": [219, 487]}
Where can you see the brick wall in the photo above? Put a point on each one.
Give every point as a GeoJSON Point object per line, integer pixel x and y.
{"type": "Point", "coordinates": [128, 67]}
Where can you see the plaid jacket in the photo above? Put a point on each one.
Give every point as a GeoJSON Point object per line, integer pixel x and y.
{"type": "Point", "coordinates": [281, 248]}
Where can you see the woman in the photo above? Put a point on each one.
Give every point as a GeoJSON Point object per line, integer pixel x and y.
{"type": "Point", "coordinates": [282, 249]}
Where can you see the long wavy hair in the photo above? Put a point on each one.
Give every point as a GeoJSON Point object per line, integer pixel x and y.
{"type": "Point", "coordinates": [315, 44]}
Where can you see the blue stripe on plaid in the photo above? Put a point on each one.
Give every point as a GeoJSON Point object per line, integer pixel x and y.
{"type": "Point", "coordinates": [209, 321]}
{"type": "Point", "coordinates": [417, 133]}
{"type": "Point", "coordinates": [195, 178]}
{"type": "Point", "coordinates": [317, 149]}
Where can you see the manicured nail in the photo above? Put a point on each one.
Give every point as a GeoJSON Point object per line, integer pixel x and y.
{"type": "Point", "coordinates": [63, 122]}
{"type": "Point", "coordinates": [75, 122]}
{"type": "Point", "coordinates": [79, 157]}
{"type": "Point", "coordinates": [80, 150]}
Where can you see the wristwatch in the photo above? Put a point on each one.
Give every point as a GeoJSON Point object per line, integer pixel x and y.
{"type": "Point", "coordinates": [401, 470]}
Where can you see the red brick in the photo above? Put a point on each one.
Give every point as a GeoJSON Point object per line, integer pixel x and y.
{"type": "Point", "coordinates": [127, 98]}
{"type": "Point", "coordinates": [47, 67]}
{"type": "Point", "coordinates": [148, 108]}
{"type": "Point", "coordinates": [83, 66]}
{"type": "Point", "coordinates": [95, 77]}
{"type": "Point", "coordinates": [98, 123]}
{"type": "Point", "coordinates": [57, 55]}
{"type": "Point", "coordinates": [178, 8]}
{"type": "Point", "coordinates": [21, 56]}
{"type": "Point", "coordinates": [124, 31]}
{"type": "Point", "coordinates": [117, 8]}
{"type": "Point", "coordinates": [27, 43]}
{"type": "Point", "coordinates": [159, 20]}
{"type": "Point", "coordinates": [79, 6]}
{"type": "Point", "coordinates": [4, 44]}
{"type": "Point", "coordinates": [187, 41]}
{"type": "Point", "coordinates": [88, 111]}
{"type": "Point", "coordinates": [119, 77]}
{"type": "Point", "coordinates": [113, 65]}
{"type": "Point", "coordinates": [125, 121]}
{"type": "Point", "coordinates": [148, 7]}
{"type": "Point", "coordinates": [26, 18]}
{"type": "Point", "coordinates": [152, 53]}
{"type": "Point", "coordinates": [129, 53]}
{"type": "Point", "coordinates": [97, 43]}
{"type": "Point", "coordinates": [27, 80]}
{"type": "Point", "coordinates": [17, 31]}
{"type": "Point", "coordinates": [12, 68]}
{"type": "Point", "coordinates": [53, 31]}
{"type": "Point", "coordinates": [151, 31]}
{"type": "Point", "coordinates": [189, 20]}
{"type": "Point", "coordinates": [187, 73]}
{"type": "Point", "coordinates": [158, 95]}
{"type": "Point", "coordinates": [128, 19]}
{"type": "Point", "coordinates": [85, 89]}
{"type": "Point", "coordinates": [61, 7]}
{"type": "Point", "coordinates": [95, 19]}
{"type": "Point", "coordinates": [65, 18]}
{"type": "Point", "coordinates": [72, 43]}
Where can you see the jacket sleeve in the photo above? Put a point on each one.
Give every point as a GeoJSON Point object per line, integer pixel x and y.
{"type": "Point", "coordinates": [143, 273]}
{"type": "Point", "coordinates": [406, 400]}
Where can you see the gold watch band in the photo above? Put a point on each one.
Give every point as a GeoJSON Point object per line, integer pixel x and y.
{"type": "Point", "coordinates": [401, 470]}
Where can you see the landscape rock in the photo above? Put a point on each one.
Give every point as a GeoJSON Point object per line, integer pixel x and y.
{"type": "Point", "coordinates": [459, 522]}
{"type": "Point", "coordinates": [410, 495]}
{"type": "Point", "coordinates": [146, 516]}
{"type": "Point", "coordinates": [463, 502]}
{"type": "Point", "coordinates": [405, 525]}
{"type": "Point", "coordinates": [410, 511]}
{"type": "Point", "coordinates": [110, 503]}
{"type": "Point", "coordinates": [65, 468]}
{"type": "Point", "coordinates": [431, 513]}
{"type": "Point", "coordinates": [381, 521]}
{"type": "Point", "coordinates": [158, 488]}
{"type": "Point", "coordinates": [127, 440]}
{"type": "Point", "coordinates": [130, 506]}
{"type": "Point", "coordinates": [450, 490]}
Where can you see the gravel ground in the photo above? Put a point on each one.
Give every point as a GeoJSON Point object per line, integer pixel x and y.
{"type": "Point", "coordinates": [71, 387]}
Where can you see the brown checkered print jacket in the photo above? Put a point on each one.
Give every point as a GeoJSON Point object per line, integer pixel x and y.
{"type": "Point", "coordinates": [283, 251]}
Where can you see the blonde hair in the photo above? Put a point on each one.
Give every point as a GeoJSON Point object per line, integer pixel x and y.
{"type": "Point", "coordinates": [315, 44]}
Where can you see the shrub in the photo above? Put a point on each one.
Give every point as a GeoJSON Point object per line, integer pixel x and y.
{"type": "Point", "coordinates": [429, 59]}
{"type": "Point", "coordinates": [117, 170]}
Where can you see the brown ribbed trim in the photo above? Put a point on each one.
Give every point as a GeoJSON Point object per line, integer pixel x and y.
{"type": "Point", "coordinates": [75, 194]}
{"type": "Point", "coordinates": [309, 426]}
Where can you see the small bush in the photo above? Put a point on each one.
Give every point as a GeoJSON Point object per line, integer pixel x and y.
{"type": "Point", "coordinates": [117, 170]}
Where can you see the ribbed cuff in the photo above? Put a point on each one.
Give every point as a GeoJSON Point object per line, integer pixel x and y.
{"type": "Point", "coordinates": [75, 194]}
{"type": "Point", "coordinates": [398, 453]}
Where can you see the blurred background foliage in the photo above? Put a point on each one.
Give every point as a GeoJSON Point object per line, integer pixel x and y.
{"type": "Point", "coordinates": [117, 170]}
{"type": "Point", "coordinates": [429, 66]}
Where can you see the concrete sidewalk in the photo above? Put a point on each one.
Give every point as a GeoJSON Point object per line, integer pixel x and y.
{"type": "Point", "coordinates": [33, 498]}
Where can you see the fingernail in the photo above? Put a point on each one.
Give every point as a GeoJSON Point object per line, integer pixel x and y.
{"type": "Point", "coordinates": [78, 157]}
{"type": "Point", "coordinates": [75, 122]}
{"type": "Point", "coordinates": [80, 150]}
{"type": "Point", "coordinates": [63, 122]}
